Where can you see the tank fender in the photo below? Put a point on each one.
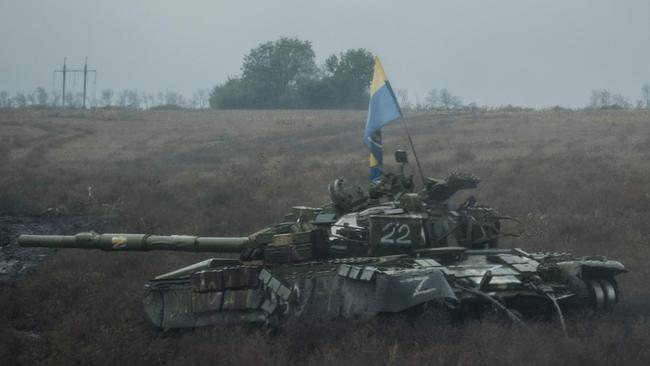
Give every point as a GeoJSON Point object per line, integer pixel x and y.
{"type": "Point", "coordinates": [593, 267]}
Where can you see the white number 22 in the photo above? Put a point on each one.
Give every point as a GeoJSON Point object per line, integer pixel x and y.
{"type": "Point", "coordinates": [394, 233]}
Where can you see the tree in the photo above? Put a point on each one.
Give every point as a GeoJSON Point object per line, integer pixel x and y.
{"type": "Point", "coordinates": [92, 101]}
{"type": "Point", "coordinates": [419, 106]}
{"type": "Point", "coordinates": [283, 74]}
{"type": "Point", "coordinates": [107, 97]}
{"type": "Point", "coordinates": [40, 96]}
{"type": "Point", "coordinates": [442, 98]}
{"type": "Point", "coordinates": [76, 100]}
{"type": "Point", "coordinates": [273, 71]}
{"type": "Point", "coordinates": [161, 98]}
{"type": "Point", "coordinates": [620, 101]}
{"type": "Point", "coordinates": [55, 98]}
{"type": "Point", "coordinates": [5, 101]}
{"type": "Point", "coordinates": [433, 99]}
{"type": "Point", "coordinates": [151, 99]}
{"type": "Point", "coordinates": [645, 95]}
{"type": "Point", "coordinates": [200, 99]}
{"type": "Point", "coordinates": [317, 94]}
{"type": "Point", "coordinates": [132, 99]}
{"type": "Point", "coordinates": [122, 98]}
{"type": "Point", "coordinates": [403, 98]}
{"type": "Point", "coordinates": [342, 83]}
{"type": "Point", "coordinates": [20, 100]}
{"type": "Point", "coordinates": [174, 99]}
{"type": "Point", "coordinates": [448, 100]}
{"type": "Point", "coordinates": [232, 94]}
{"type": "Point", "coordinates": [600, 99]}
{"type": "Point", "coordinates": [350, 74]}
{"type": "Point", "coordinates": [31, 99]}
{"type": "Point", "coordinates": [144, 100]}
{"type": "Point", "coordinates": [603, 99]}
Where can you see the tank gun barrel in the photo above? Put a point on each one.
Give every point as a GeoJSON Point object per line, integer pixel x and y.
{"type": "Point", "coordinates": [137, 242]}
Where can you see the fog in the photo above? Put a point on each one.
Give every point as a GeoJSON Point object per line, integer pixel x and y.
{"type": "Point", "coordinates": [520, 52]}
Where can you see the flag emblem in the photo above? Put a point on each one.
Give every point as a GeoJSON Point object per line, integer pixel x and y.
{"type": "Point", "coordinates": [382, 110]}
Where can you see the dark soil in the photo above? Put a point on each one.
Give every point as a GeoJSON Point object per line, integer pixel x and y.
{"type": "Point", "coordinates": [15, 261]}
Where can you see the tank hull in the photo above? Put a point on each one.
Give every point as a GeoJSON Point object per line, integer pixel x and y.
{"type": "Point", "coordinates": [361, 288]}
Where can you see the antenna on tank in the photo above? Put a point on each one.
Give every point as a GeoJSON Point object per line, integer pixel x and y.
{"type": "Point", "coordinates": [415, 154]}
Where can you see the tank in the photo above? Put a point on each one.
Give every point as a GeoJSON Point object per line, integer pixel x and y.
{"type": "Point", "coordinates": [388, 249]}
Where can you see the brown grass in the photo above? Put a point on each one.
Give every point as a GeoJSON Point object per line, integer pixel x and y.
{"type": "Point", "coordinates": [578, 180]}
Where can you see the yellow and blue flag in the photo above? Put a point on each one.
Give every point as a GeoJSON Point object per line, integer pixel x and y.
{"type": "Point", "coordinates": [382, 110]}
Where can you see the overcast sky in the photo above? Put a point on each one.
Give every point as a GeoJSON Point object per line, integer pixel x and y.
{"type": "Point", "coordinates": [520, 52]}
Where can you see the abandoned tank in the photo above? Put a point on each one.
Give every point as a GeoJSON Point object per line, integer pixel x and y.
{"type": "Point", "coordinates": [388, 249]}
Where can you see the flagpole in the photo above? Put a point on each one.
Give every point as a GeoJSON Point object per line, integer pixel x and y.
{"type": "Point", "coordinates": [415, 154]}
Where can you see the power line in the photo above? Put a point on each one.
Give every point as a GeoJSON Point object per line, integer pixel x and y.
{"type": "Point", "coordinates": [66, 71]}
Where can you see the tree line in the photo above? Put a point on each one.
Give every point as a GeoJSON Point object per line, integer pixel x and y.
{"type": "Point", "coordinates": [435, 99]}
{"type": "Point", "coordinates": [284, 74]}
{"type": "Point", "coordinates": [604, 99]}
{"type": "Point", "coordinates": [107, 98]}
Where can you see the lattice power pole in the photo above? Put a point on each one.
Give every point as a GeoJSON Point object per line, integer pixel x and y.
{"type": "Point", "coordinates": [65, 71]}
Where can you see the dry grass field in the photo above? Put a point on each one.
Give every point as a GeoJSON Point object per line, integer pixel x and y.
{"type": "Point", "coordinates": [578, 180]}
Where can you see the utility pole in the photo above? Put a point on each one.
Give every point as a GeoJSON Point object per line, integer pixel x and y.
{"type": "Point", "coordinates": [85, 73]}
{"type": "Point", "coordinates": [65, 71]}
{"type": "Point", "coordinates": [63, 94]}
